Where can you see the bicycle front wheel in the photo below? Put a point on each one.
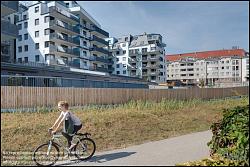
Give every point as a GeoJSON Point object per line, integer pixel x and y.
{"type": "Point", "coordinates": [46, 154]}
{"type": "Point", "coordinates": [85, 149]}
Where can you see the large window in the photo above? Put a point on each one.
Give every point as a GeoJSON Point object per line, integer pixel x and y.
{"type": "Point", "coordinates": [20, 49]}
{"type": "Point", "coordinates": [25, 24]}
{"type": "Point", "coordinates": [46, 19]}
{"type": "Point", "coordinates": [26, 48]}
{"type": "Point", "coordinates": [19, 37]}
{"type": "Point", "coordinates": [36, 9]}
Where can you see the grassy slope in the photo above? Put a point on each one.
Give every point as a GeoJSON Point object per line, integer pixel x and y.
{"type": "Point", "coordinates": [119, 126]}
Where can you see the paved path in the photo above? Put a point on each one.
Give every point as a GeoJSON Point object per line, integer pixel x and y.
{"type": "Point", "coordinates": [166, 152]}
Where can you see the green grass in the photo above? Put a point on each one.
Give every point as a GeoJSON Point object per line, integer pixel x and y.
{"type": "Point", "coordinates": [118, 126]}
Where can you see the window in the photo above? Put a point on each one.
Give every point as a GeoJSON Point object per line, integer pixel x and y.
{"type": "Point", "coordinates": [46, 19]}
{"type": "Point", "coordinates": [117, 52]}
{"type": "Point", "coordinates": [84, 53]}
{"type": "Point", "coordinates": [84, 33]}
{"type": "Point", "coordinates": [19, 26]}
{"type": "Point", "coordinates": [47, 31]}
{"type": "Point", "coordinates": [25, 36]}
{"type": "Point", "coordinates": [124, 65]}
{"type": "Point", "coordinates": [20, 49]}
{"type": "Point", "coordinates": [36, 22]}
{"type": "Point", "coordinates": [19, 60]}
{"type": "Point", "coordinates": [19, 37]}
{"type": "Point", "coordinates": [124, 59]}
{"type": "Point", "coordinates": [26, 59]}
{"type": "Point", "coordinates": [222, 68]}
{"type": "Point", "coordinates": [144, 50]}
{"type": "Point", "coordinates": [37, 58]}
{"type": "Point", "coordinates": [117, 65]}
{"type": "Point", "coordinates": [227, 67]}
{"type": "Point", "coordinates": [84, 43]}
{"type": "Point", "coordinates": [26, 48]}
{"type": "Point", "coordinates": [124, 71]}
{"type": "Point", "coordinates": [24, 17]}
{"type": "Point", "coordinates": [37, 46]}
{"type": "Point", "coordinates": [124, 52]}
{"type": "Point", "coordinates": [46, 44]}
{"type": "Point", "coordinates": [36, 9]}
{"type": "Point", "coordinates": [36, 33]}
{"type": "Point", "coordinates": [117, 72]}
{"type": "Point", "coordinates": [126, 38]}
{"type": "Point", "coordinates": [25, 24]}
{"type": "Point", "coordinates": [227, 61]}
{"type": "Point", "coordinates": [117, 59]}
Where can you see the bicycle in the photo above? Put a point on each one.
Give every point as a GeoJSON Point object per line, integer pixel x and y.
{"type": "Point", "coordinates": [48, 152]}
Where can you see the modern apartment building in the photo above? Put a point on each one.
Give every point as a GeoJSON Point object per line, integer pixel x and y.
{"type": "Point", "coordinates": [210, 67]}
{"type": "Point", "coordinates": [62, 33]}
{"type": "Point", "coordinates": [9, 30]}
{"type": "Point", "coordinates": [139, 56]}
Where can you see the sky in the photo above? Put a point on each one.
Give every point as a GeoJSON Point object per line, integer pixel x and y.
{"type": "Point", "coordinates": [185, 26]}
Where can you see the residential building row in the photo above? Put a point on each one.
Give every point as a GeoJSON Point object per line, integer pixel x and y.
{"type": "Point", "coordinates": [210, 67]}
{"type": "Point", "coordinates": [139, 56]}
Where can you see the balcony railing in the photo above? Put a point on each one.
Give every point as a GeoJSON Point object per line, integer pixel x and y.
{"type": "Point", "coordinates": [64, 38]}
{"type": "Point", "coordinates": [64, 25]}
{"type": "Point", "coordinates": [11, 5]}
{"type": "Point", "coordinates": [9, 29]}
{"type": "Point", "coordinates": [96, 58]}
{"type": "Point", "coordinates": [54, 48]}
{"type": "Point", "coordinates": [97, 49]}
{"type": "Point", "coordinates": [99, 30]}
{"type": "Point", "coordinates": [63, 12]}
{"type": "Point", "coordinates": [100, 40]}
{"type": "Point", "coordinates": [101, 69]}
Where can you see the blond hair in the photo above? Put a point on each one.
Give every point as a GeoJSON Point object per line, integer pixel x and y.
{"type": "Point", "coordinates": [64, 103]}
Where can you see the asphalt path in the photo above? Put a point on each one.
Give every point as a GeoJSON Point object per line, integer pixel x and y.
{"type": "Point", "coordinates": [166, 152]}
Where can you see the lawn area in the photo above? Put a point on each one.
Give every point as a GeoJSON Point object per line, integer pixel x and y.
{"type": "Point", "coordinates": [118, 126]}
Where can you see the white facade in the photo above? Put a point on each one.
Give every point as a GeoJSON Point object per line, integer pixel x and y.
{"type": "Point", "coordinates": [211, 71]}
{"type": "Point", "coordinates": [139, 56]}
{"type": "Point", "coordinates": [245, 69]}
{"type": "Point", "coordinates": [62, 33]}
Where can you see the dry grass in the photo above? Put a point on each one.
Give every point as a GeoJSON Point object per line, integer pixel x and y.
{"type": "Point", "coordinates": [118, 126]}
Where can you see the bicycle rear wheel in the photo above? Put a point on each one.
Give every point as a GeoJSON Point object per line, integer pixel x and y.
{"type": "Point", "coordinates": [85, 149]}
{"type": "Point", "coordinates": [44, 156]}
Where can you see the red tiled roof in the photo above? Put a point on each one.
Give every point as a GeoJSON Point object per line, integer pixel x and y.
{"type": "Point", "coordinates": [207, 54]}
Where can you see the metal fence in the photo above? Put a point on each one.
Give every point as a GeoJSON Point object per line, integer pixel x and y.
{"type": "Point", "coordinates": [18, 97]}
{"type": "Point", "coordinates": [38, 81]}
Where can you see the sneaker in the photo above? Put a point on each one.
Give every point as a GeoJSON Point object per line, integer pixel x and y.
{"type": "Point", "coordinates": [72, 146]}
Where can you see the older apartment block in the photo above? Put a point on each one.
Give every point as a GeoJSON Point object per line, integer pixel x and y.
{"type": "Point", "coordinates": [9, 31]}
{"type": "Point", "coordinates": [212, 67]}
{"type": "Point", "coordinates": [62, 33]}
{"type": "Point", "coordinates": [139, 56]}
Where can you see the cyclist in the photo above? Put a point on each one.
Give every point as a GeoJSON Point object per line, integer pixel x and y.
{"type": "Point", "coordinates": [72, 124]}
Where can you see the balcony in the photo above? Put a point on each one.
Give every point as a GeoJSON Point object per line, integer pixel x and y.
{"type": "Point", "coordinates": [8, 31]}
{"type": "Point", "coordinates": [68, 29]}
{"type": "Point", "coordinates": [98, 31]}
{"type": "Point", "coordinates": [59, 38]}
{"type": "Point", "coordinates": [64, 51]}
{"type": "Point", "coordinates": [153, 58]}
{"type": "Point", "coordinates": [97, 50]}
{"type": "Point", "coordinates": [99, 41]}
{"type": "Point", "coordinates": [8, 7]}
{"type": "Point", "coordinates": [134, 53]}
{"type": "Point", "coordinates": [100, 59]}
{"type": "Point", "coordinates": [100, 69]}
{"type": "Point", "coordinates": [61, 14]}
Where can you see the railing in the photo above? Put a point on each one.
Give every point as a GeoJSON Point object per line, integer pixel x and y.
{"type": "Point", "coordinates": [100, 40]}
{"type": "Point", "coordinates": [64, 25]}
{"type": "Point", "coordinates": [104, 60]}
{"type": "Point", "coordinates": [54, 48]}
{"type": "Point", "coordinates": [9, 29]}
{"type": "Point", "coordinates": [64, 13]}
{"type": "Point", "coordinates": [64, 38]}
{"type": "Point", "coordinates": [99, 30]}
{"type": "Point", "coordinates": [101, 50]}
{"type": "Point", "coordinates": [101, 69]}
{"type": "Point", "coordinates": [10, 4]}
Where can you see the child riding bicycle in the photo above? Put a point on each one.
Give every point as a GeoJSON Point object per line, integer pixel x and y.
{"type": "Point", "coordinates": [72, 124]}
